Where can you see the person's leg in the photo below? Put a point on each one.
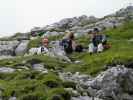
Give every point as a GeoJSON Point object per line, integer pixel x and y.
{"type": "Point", "coordinates": [91, 48]}
{"type": "Point", "coordinates": [100, 47]}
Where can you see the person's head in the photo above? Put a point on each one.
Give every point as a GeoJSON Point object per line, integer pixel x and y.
{"type": "Point", "coordinates": [45, 41]}
{"type": "Point", "coordinates": [70, 35]}
{"type": "Point", "coordinates": [96, 30]}
{"type": "Point", "coordinates": [90, 32]}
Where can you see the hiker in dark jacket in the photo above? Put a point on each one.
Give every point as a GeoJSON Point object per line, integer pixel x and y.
{"type": "Point", "coordinates": [97, 41]}
{"type": "Point", "coordinates": [68, 43]}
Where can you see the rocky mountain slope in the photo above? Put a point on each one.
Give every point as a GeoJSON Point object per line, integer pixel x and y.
{"type": "Point", "coordinates": [83, 24]}
{"type": "Point", "coordinates": [79, 25]}
{"type": "Point", "coordinates": [105, 76]}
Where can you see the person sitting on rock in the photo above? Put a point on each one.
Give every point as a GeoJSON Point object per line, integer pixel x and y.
{"type": "Point", "coordinates": [97, 41]}
{"type": "Point", "coordinates": [45, 43]}
{"type": "Point", "coordinates": [68, 43]}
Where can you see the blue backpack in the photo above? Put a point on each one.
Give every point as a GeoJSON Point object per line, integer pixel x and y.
{"type": "Point", "coordinates": [67, 45]}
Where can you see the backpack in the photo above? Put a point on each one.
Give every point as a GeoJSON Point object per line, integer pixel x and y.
{"type": "Point", "coordinates": [79, 48]}
{"type": "Point", "coordinates": [67, 45]}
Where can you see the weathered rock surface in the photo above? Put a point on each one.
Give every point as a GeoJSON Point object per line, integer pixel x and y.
{"type": "Point", "coordinates": [14, 47]}
{"type": "Point", "coordinates": [12, 98]}
{"type": "Point", "coordinates": [22, 48]}
{"type": "Point", "coordinates": [6, 70]}
{"type": "Point", "coordinates": [112, 84]}
{"type": "Point", "coordinates": [125, 12]}
{"type": "Point", "coordinates": [39, 67]}
{"type": "Point", "coordinates": [109, 22]}
{"type": "Point", "coordinates": [65, 24]}
{"type": "Point", "coordinates": [7, 47]}
{"type": "Point", "coordinates": [22, 36]}
{"type": "Point", "coordinates": [80, 25]}
{"type": "Point", "coordinates": [85, 98]}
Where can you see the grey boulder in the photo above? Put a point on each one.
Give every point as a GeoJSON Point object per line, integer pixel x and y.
{"type": "Point", "coordinates": [22, 48]}
{"type": "Point", "coordinates": [6, 70]}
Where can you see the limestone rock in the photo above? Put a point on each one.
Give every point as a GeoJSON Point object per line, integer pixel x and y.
{"type": "Point", "coordinates": [113, 82]}
{"type": "Point", "coordinates": [22, 48]}
{"type": "Point", "coordinates": [85, 98]}
{"type": "Point", "coordinates": [12, 98]}
{"type": "Point", "coordinates": [7, 47]}
{"type": "Point", "coordinates": [6, 70]}
{"type": "Point", "coordinates": [21, 36]}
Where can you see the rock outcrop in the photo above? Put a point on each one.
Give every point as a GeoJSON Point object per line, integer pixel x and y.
{"type": "Point", "coordinates": [83, 24]}
{"type": "Point", "coordinates": [40, 67]}
{"type": "Point", "coordinates": [22, 48]}
{"type": "Point", "coordinates": [12, 47]}
{"type": "Point", "coordinates": [7, 48]}
{"type": "Point", "coordinates": [60, 27]}
{"type": "Point", "coordinates": [112, 84]}
{"type": "Point", "coordinates": [6, 70]}
{"type": "Point", "coordinates": [125, 12]}
{"type": "Point", "coordinates": [21, 36]}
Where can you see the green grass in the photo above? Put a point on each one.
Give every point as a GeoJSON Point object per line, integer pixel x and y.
{"type": "Point", "coordinates": [34, 43]}
{"type": "Point", "coordinates": [123, 32]}
{"type": "Point", "coordinates": [120, 51]}
{"type": "Point", "coordinates": [37, 87]}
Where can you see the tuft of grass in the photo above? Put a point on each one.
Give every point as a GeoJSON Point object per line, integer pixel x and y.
{"type": "Point", "coordinates": [35, 43]}
{"type": "Point", "coordinates": [123, 32]}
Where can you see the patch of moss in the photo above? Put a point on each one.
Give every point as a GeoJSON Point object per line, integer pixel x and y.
{"type": "Point", "coordinates": [59, 93]}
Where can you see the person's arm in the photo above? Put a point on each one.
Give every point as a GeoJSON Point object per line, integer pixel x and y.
{"type": "Point", "coordinates": [74, 44]}
{"type": "Point", "coordinates": [91, 37]}
{"type": "Point", "coordinates": [104, 38]}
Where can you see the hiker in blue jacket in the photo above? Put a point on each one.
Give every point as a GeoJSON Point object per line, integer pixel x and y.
{"type": "Point", "coordinates": [97, 41]}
